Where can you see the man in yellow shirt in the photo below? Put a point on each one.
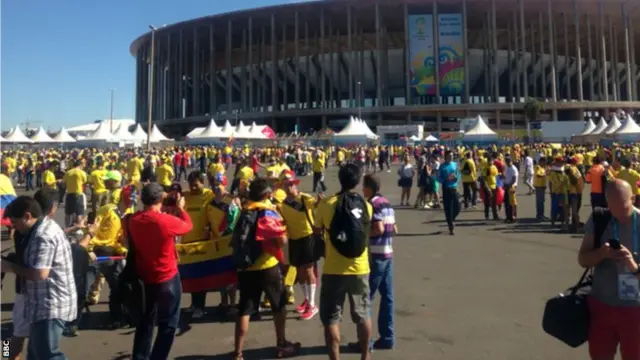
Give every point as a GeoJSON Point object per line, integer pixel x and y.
{"type": "Point", "coordinates": [575, 183]}
{"type": "Point", "coordinates": [318, 167]}
{"type": "Point", "coordinates": [98, 190]}
{"type": "Point", "coordinates": [296, 210]}
{"type": "Point", "coordinates": [244, 176]}
{"type": "Point", "coordinates": [215, 167]}
{"type": "Point", "coordinates": [632, 177]}
{"type": "Point", "coordinates": [164, 174]}
{"type": "Point", "coordinates": [75, 200]}
{"type": "Point", "coordinates": [344, 276]}
{"type": "Point", "coordinates": [195, 200]}
{"type": "Point", "coordinates": [263, 275]}
{"type": "Point", "coordinates": [490, 188]}
{"type": "Point", "coordinates": [469, 177]}
{"type": "Point", "coordinates": [559, 186]}
{"type": "Point", "coordinates": [134, 169]}
{"type": "Point", "coordinates": [540, 186]}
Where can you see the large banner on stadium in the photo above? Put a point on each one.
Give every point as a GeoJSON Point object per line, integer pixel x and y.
{"type": "Point", "coordinates": [451, 52]}
{"type": "Point", "coordinates": [421, 54]}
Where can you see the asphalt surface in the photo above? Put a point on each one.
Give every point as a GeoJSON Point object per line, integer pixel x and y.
{"type": "Point", "coordinates": [476, 295]}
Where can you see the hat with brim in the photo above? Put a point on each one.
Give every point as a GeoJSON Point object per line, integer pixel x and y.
{"type": "Point", "coordinates": [288, 176]}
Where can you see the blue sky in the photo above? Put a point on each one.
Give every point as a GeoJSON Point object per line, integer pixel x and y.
{"type": "Point", "coordinates": [60, 58]}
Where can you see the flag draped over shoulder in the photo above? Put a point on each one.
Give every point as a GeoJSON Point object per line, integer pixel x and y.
{"type": "Point", "coordinates": [206, 265]}
{"type": "Point", "coordinates": [7, 195]}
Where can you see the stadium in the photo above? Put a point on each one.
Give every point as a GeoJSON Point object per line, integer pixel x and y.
{"type": "Point", "coordinates": [311, 65]}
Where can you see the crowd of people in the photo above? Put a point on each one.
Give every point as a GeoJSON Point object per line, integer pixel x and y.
{"type": "Point", "coordinates": [126, 213]}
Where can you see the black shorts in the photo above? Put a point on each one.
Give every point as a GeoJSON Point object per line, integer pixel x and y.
{"type": "Point", "coordinates": [253, 283]}
{"type": "Point", "coordinates": [75, 204]}
{"type": "Point", "coordinates": [302, 251]}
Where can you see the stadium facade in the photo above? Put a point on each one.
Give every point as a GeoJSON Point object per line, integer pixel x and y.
{"type": "Point", "coordinates": [313, 64]}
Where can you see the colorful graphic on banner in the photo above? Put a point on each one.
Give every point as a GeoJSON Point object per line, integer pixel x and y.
{"type": "Point", "coordinates": [451, 53]}
{"type": "Point", "coordinates": [421, 54]}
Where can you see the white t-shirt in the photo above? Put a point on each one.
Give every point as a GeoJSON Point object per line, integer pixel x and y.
{"type": "Point", "coordinates": [528, 165]}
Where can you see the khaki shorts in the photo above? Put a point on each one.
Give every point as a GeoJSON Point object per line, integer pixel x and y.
{"type": "Point", "coordinates": [335, 288]}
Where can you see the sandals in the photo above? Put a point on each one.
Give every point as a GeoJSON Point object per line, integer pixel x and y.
{"type": "Point", "coordinates": [287, 349]}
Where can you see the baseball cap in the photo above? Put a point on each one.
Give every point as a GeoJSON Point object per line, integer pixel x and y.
{"type": "Point", "coordinates": [289, 176]}
{"type": "Point", "coordinates": [151, 194]}
{"type": "Point", "coordinates": [113, 175]}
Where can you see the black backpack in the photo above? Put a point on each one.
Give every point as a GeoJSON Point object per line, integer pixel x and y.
{"type": "Point", "coordinates": [246, 249]}
{"type": "Point", "coordinates": [350, 226]}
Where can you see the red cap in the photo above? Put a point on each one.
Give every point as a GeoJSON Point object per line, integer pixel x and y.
{"type": "Point", "coordinates": [289, 176]}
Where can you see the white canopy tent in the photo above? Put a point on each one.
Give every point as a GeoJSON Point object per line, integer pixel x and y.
{"type": "Point", "coordinates": [613, 126]}
{"type": "Point", "coordinates": [629, 131]}
{"type": "Point", "coordinates": [195, 132]}
{"type": "Point", "coordinates": [63, 137]}
{"type": "Point", "coordinates": [480, 132]}
{"type": "Point", "coordinates": [588, 128]}
{"type": "Point", "coordinates": [16, 136]}
{"type": "Point", "coordinates": [101, 135]}
{"type": "Point", "coordinates": [209, 134]}
{"type": "Point", "coordinates": [241, 131]}
{"type": "Point", "coordinates": [255, 132]}
{"type": "Point", "coordinates": [123, 136]}
{"type": "Point", "coordinates": [139, 134]}
{"type": "Point", "coordinates": [355, 131]}
{"type": "Point", "coordinates": [228, 129]}
{"type": "Point", "coordinates": [431, 138]}
{"type": "Point", "coordinates": [602, 125]}
{"type": "Point", "coordinates": [211, 131]}
{"type": "Point", "coordinates": [41, 137]}
{"type": "Point", "coordinates": [366, 128]}
{"type": "Point", "coordinates": [157, 136]}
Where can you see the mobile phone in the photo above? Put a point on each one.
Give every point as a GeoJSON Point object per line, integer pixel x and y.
{"type": "Point", "coordinates": [614, 244]}
{"type": "Point", "coordinates": [91, 217]}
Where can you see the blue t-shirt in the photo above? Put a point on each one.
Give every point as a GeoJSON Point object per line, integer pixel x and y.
{"type": "Point", "coordinates": [448, 175]}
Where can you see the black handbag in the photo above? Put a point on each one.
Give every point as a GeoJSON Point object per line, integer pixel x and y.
{"type": "Point", "coordinates": [130, 285]}
{"type": "Point", "coordinates": [566, 316]}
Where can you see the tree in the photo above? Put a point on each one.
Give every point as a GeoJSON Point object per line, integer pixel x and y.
{"type": "Point", "coordinates": [532, 109]}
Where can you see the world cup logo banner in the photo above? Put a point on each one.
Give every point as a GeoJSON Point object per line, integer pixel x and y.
{"type": "Point", "coordinates": [422, 54]}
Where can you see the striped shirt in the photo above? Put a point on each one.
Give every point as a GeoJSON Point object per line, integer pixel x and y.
{"type": "Point", "coordinates": [55, 297]}
{"type": "Point", "coordinates": [381, 246]}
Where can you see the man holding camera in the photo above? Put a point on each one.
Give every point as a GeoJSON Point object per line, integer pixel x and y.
{"type": "Point", "coordinates": [614, 303]}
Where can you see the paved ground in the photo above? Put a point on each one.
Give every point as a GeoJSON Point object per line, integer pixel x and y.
{"type": "Point", "coordinates": [476, 295]}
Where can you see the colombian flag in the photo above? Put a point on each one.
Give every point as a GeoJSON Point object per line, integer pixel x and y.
{"type": "Point", "coordinates": [7, 195]}
{"type": "Point", "coordinates": [206, 265]}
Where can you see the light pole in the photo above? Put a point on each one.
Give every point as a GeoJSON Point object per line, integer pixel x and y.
{"type": "Point", "coordinates": [111, 110]}
{"type": "Point", "coordinates": [513, 124]}
{"type": "Point", "coordinates": [150, 115]}
{"type": "Point", "coordinates": [359, 89]}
